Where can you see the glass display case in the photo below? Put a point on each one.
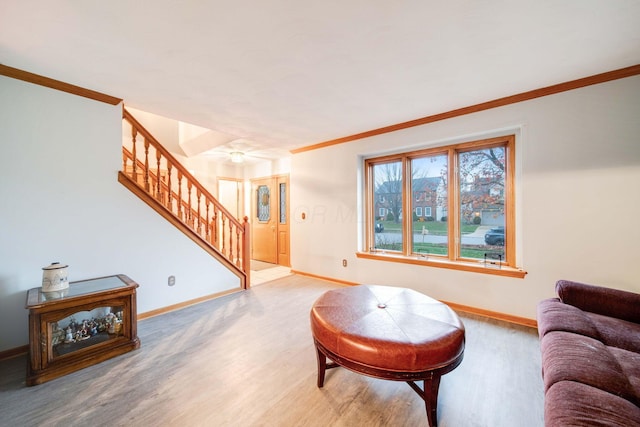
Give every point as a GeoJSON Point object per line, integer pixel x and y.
{"type": "Point", "coordinates": [91, 321]}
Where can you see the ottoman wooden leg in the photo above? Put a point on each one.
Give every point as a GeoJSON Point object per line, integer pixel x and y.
{"type": "Point", "coordinates": [322, 366]}
{"type": "Point", "coordinates": [431, 387]}
{"type": "Point", "coordinates": [429, 393]}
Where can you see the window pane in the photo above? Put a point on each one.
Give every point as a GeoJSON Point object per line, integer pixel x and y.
{"type": "Point", "coordinates": [283, 203]}
{"type": "Point", "coordinates": [429, 205]}
{"type": "Point", "coordinates": [262, 203]}
{"type": "Point", "coordinates": [387, 182]}
{"type": "Point", "coordinates": [482, 203]}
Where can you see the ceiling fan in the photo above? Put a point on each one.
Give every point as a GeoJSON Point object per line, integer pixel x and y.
{"type": "Point", "coordinates": [243, 150]}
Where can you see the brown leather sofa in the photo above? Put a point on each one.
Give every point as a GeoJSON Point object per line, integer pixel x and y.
{"type": "Point", "coordinates": [590, 345]}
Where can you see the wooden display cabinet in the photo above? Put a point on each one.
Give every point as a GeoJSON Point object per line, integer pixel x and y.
{"type": "Point", "coordinates": [91, 321]}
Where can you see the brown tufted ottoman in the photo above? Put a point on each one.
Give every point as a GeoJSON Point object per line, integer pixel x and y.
{"type": "Point", "coordinates": [390, 333]}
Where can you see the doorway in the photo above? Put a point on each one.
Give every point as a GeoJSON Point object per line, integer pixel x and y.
{"type": "Point", "coordinates": [231, 195]}
{"type": "Point", "coordinates": [270, 220]}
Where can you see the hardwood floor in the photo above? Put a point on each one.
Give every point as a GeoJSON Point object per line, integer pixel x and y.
{"type": "Point", "coordinates": [247, 359]}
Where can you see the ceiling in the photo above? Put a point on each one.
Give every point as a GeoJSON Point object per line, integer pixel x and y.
{"type": "Point", "coordinates": [288, 74]}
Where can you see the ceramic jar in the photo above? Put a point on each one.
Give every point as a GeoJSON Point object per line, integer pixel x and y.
{"type": "Point", "coordinates": [54, 277]}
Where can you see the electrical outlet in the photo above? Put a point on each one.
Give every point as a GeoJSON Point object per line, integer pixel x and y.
{"type": "Point", "coordinates": [172, 280]}
{"type": "Point", "coordinates": [344, 262]}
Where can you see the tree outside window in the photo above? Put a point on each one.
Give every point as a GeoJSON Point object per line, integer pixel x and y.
{"type": "Point", "coordinates": [482, 203]}
{"type": "Point", "coordinates": [387, 183]}
{"type": "Point", "coordinates": [471, 181]}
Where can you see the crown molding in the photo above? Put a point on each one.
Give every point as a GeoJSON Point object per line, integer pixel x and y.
{"type": "Point", "coordinates": [500, 102]}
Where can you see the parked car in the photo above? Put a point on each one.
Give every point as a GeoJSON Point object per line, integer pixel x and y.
{"type": "Point", "coordinates": [379, 227]}
{"type": "Point", "coordinates": [495, 236]}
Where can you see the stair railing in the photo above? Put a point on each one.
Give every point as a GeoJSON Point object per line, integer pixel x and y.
{"type": "Point", "coordinates": [163, 182]}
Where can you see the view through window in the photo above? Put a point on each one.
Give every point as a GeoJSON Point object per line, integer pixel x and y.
{"type": "Point", "coordinates": [459, 200]}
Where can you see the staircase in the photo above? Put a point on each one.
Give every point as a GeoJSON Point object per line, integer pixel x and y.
{"type": "Point", "coordinates": [154, 175]}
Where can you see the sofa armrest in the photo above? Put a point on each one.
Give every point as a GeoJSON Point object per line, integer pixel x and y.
{"type": "Point", "coordinates": [615, 303]}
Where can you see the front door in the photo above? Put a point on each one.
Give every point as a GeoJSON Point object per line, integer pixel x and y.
{"type": "Point", "coordinates": [264, 220]}
{"type": "Point", "coordinates": [270, 219]}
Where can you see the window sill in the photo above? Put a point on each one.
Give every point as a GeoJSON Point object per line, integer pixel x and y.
{"type": "Point", "coordinates": [475, 267]}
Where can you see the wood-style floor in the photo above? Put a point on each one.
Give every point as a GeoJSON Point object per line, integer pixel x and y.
{"type": "Point", "coordinates": [247, 359]}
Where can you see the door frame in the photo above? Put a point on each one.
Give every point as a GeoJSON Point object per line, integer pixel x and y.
{"type": "Point", "coordinates": [282, 244]}
{"type": "Point", "coordinates": [239, 196]}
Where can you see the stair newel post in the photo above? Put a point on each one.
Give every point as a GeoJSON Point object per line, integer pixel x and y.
{"type": "Point", "coordinates": [169, 188]}
{"type": "Point", "coordinates": [246, 252]}
{"type": "Point", "coordinates": [146, 166]}
{"type": "Point", "coordinates": [124, 161]}
{"type": "Point", "coordinates": [179, 202]}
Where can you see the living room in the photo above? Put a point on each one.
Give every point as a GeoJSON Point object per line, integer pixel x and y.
{"type": "Point", "coordinates": [577, 160]}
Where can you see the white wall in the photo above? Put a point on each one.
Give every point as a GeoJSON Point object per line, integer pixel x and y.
{"type": "Point", "coordinates": [268, 168]}
{"type": "Point", "coordinates": [60, 201]}
{"type": "Point", "coordinates": [578, 200]}
{"type": "Point", "coordinates": [164, 130]}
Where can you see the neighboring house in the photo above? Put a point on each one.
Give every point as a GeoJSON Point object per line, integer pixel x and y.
{"type": "Point", "coordinates": [427, 197]}
{"type": "Point", "coordinates": [484, 199]}
{"type": "Point", "coordinates": [388, 202]}
{"type": "Point", "coordinates": [427, 200]}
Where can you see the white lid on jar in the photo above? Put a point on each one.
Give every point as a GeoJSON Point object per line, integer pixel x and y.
{"type": "Point", "coordinates": [54, 266]}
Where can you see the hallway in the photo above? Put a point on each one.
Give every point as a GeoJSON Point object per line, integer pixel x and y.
{"type": "Point", "coordinates": [262, 272]}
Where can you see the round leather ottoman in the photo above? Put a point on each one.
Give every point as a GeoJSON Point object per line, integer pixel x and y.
{"type": "Point", "coordinates": [390, 333]}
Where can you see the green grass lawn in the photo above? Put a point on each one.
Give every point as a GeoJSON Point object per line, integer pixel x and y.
{"type": "Point", "coordinates": [437, 228]}
{"type": "Point", "coordinates": [441, 249]}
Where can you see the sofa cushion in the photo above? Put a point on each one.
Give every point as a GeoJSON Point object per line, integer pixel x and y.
{"type": "Point", "coordinates": [616, 332]}
{"type": "Point", "coordinates": [569, 403]}
{"type": "Point", "coordinates": [629, 362]}
{"type": "Point", "coordinates": [554, 315]}
{"type": "Point", "coordinates": [571, 357]}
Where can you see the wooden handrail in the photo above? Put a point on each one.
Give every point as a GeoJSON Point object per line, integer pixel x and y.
{"type": "Point", "coordinates": [175, 163]}
{"type": "Point", "coordinates": [157, 185]}
{"type": "Point", "coordinates": [159, 178]}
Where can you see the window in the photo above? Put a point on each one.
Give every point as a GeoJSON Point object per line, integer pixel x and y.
{"type": "Point", "coordinates": [283, 203]}
{"type": "Point", "coordinates": [262, 204]}
{"type": "Point", "coordinates": [387, 177]}
{"type": "Point", "coordinates": [462, 202]}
